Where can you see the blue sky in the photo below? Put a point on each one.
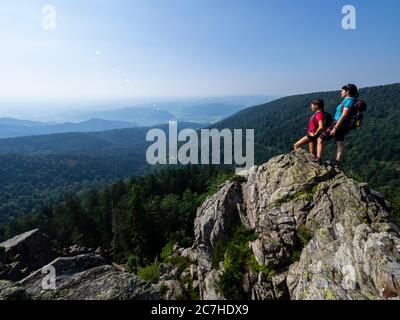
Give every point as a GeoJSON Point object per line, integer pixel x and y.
{"type": "Point", "coordinates": [105, 50]}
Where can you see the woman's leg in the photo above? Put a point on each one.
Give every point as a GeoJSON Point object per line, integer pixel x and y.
{"type": "Point", "coordinates": [301, 142]}
{"type": "Point", "coordinates": [340, 137]}
{"type": "Point", "coordinates": [312, 149]}
{"type": "Point", "coordinates": [320, 148]}
{"type": "Point", "coordinates": [339, 150]}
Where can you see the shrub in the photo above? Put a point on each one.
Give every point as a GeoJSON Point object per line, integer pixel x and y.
{"type": "Point", "coordinates": [169, 256]}
{"type": "Point", "coordinates": [164, 289]}
{"type": "Point", "coordinates": [232, 276]}
{"type": "Point", "coordinates": [181, 262]}
{"type": "Point", "coordinates": [194, 294]}
{"type": "Point", "coordinates": [304, 234]}
{"type": "Point", "coordinates": [132, 263]}
{"type": "Point", "coordinates": [261, 268]}
{"type": "Point", "coordinates": [181, 239]}
{"type": "Point", "coordinates": [396, 208]}
{"type": "Point", "coordinates": [189, 292]}
{"type": "Point", "coordinates": [150, 273]}
{"type": "Point", "coordinates": [218, 253]}
{"type": "Point", "coordinates": [236, 257]}
{"type": "Point", "coordinates": [167, 252]}
{"type": "Point", "coordinates": [295, 256]}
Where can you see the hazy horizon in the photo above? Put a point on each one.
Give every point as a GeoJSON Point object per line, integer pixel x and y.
{"type": "Point", "coordinates": [42, 110]}
{"type": "Point", "coordinates": [45, 111]}
{"type": "Point", "coordinates": [120, 52]}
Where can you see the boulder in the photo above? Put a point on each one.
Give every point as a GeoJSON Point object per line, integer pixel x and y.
{"type": "Point", "coordinates": [87, 277]}
{"type": "Point", "coordinates": [25, 253]}
{"type": "Point", "coordinates": [11, 291]}
{"type": "Point", "coordinates": [217, 215]}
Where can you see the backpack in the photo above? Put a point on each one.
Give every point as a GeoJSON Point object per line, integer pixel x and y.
{"type": "Point", "coordinates": [328, 120]}
{"type": "Point", "coordinates": [356, 114]}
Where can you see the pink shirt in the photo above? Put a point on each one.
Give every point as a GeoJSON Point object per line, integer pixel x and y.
{"type": "Point", "coordinates": [315, 119]}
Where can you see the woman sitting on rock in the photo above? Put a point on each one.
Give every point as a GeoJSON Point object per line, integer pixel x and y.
{"type": "Point", "coordinates": [315, 128]}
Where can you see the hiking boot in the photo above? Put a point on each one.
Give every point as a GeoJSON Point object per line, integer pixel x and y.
{"type": "Point", "coordinates": [316, 160]}
{"type": "Point", "coordinates": [310, 157]}
{"type": "Point", "coordinates": [335, 164]}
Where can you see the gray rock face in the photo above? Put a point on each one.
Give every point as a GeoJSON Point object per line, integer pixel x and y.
{"type": "Point", "coordinates": [216, 216]}
{"type": "Point", "coordinates": [354, 251]}
{"type": "Point", "coordinates": [174, 290]}
{"type": "Point", "coordinates": [213, 223]}
{"type": "Point", "coordinates": [87, 277]}
{"type": "Point", "coordinates": [364, 266]}
{"type": "Point", "coordinates": [23, 254]}
{"type": "Point", "coordinates": [76, 277]}
{"type": "Point", "coordinates": [11, 291]}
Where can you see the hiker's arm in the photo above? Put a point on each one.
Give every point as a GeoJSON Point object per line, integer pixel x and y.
{"type": "Point", "coordinates": [320, 127]}
{"type": "Point", "coordinates": [345, 115]}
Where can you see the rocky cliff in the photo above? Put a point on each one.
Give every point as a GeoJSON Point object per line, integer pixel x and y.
{"type": "Point", "coordinates": [289, 229]}
{"type": "Point", "coordinates": [294, 229]}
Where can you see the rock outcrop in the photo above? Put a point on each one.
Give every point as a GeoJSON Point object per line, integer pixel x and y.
{"type": "Point", "coordinates": [75, 276]}
{"type": "Point", "coordinates": [11, 291]}
{"type": "Point", "coordinates": [23, 254]}
{"type": "Point", "coordinates": [318, 235]}
{"type": "Point", "coordinates": [87, 277]}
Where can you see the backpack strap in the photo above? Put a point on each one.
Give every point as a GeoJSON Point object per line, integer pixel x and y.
{"type": "Point", "coordinates": [351, 106]}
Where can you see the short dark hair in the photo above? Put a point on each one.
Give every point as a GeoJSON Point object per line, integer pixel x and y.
{"type": "Point", "coordinates": [352, 89]}
{"type": "Point", "coordinates": [319, 103]}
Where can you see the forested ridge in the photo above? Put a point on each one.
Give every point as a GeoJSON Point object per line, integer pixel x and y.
{"type": "Point", "coordinates": [42, 170]}
{"type": "Point", "coordinates": [30, 181]}
{"type": "Point", "coordinates": [137, 218]}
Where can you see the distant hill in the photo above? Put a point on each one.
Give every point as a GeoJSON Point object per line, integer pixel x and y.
{"type": "Point", "coordinates": [88, 143]}
{"type": "Point", "coordinates": [213, 109]}
{"type": "Point", "coordinates": [17, 122]}
{"type": "Point", "coordinates": [141, 116]}
{"type": "Point", "coordinates": [198, 110]}
{"type": "Point", "coordinates": [10, 127]}
{"type": "Point", "coordinates": [205, 112]}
